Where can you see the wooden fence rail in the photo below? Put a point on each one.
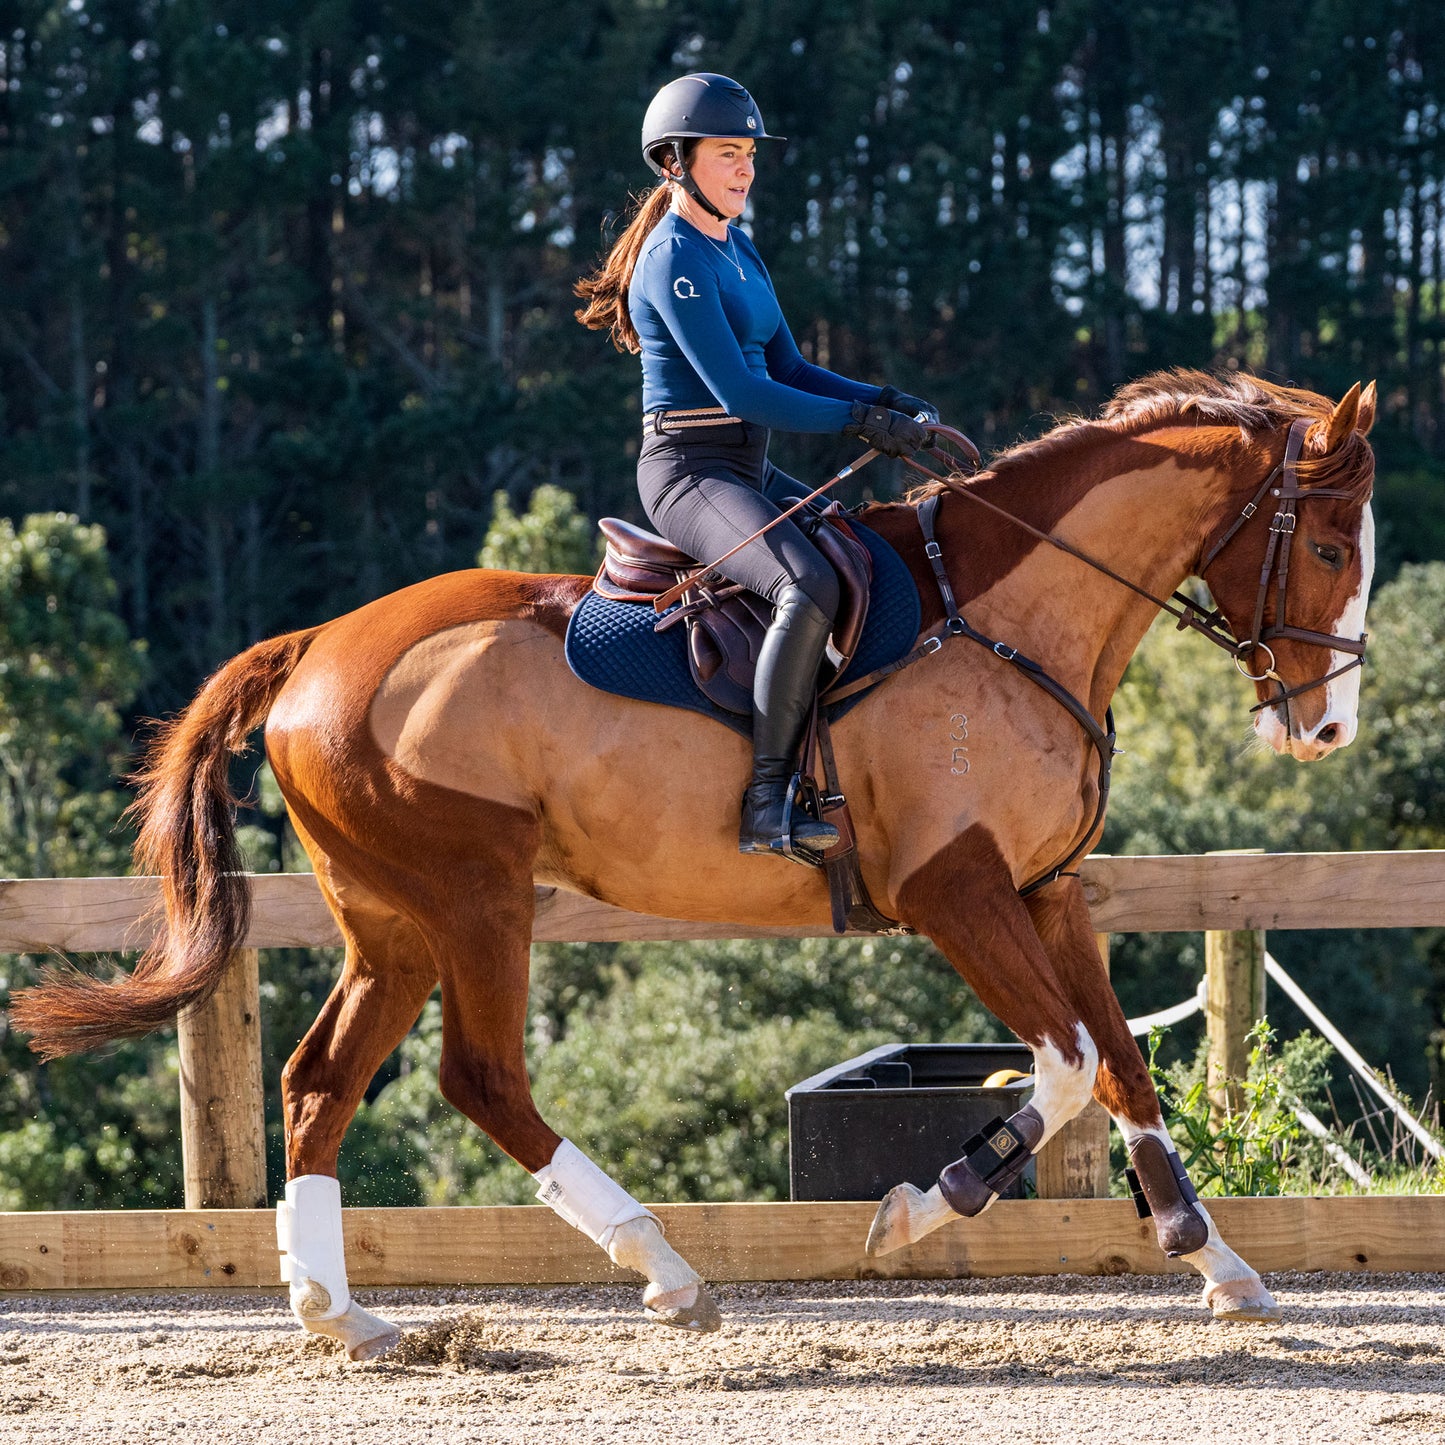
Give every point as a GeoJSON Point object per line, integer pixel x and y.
{"type": "Point", "coordinates": [1231, 897]}
{"type": "Point", "coordinates": [180, 1249]}
{"type": "Point", "coordinates": [1184, 894]}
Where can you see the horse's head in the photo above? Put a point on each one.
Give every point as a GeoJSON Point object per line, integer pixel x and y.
{"type": "Point", "coordinates": [1297, 580]}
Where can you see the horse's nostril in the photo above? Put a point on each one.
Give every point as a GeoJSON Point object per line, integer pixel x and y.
{"type": "Point", "coordinates": [1329, 734]}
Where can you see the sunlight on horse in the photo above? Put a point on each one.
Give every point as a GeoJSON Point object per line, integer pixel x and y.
{"type": "Point", "coordinates": [439, 759]}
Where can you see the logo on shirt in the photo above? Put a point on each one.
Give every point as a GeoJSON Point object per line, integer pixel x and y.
{"type": "Point", "coordinates": [684, 290]}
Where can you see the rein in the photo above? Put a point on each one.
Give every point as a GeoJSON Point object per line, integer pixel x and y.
{"type": "Point", "coordinates": [708, 570]}
{"type": "Point", "coordinates": [1214, 625]}
{"type": "Point", "coordinates": [665, 600]}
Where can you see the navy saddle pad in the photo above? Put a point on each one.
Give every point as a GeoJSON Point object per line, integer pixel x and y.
{"type": "Point", "coordinates": [612, 645]}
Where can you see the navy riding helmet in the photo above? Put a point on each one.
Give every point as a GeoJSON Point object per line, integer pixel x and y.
{"type": "Point", "coordinates": [693, 107]}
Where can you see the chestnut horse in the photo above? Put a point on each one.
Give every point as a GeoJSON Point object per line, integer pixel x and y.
{"type": "Point", "coordinates": [438, 760]}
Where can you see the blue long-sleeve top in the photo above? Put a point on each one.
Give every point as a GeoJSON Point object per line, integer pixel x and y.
{"type": "Point", "coordinates": [713, 334]}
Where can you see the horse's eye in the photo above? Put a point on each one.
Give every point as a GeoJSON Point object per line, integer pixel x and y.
{"type": "Point", "coordinates": [1330, 556]}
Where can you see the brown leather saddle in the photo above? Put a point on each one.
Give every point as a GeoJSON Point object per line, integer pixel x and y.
{"type": "Point", "coordinates": [725, 622]}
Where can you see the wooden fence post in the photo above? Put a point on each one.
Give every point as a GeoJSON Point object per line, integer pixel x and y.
{"type": "Point", "coordinates": [1234, 982]}
{"type": "Point", "coordinates": [1234, 970]}
{"type": "Point", "coordinates": [223, 1127]}
{"type": "Point", "coordinates": [1074, 1164]}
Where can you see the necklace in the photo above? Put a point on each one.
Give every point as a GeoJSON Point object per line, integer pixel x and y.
{"type": "Point", "coordinates": [730, 251]}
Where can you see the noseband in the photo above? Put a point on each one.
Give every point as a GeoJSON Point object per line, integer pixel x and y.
{"type": "Point", "coordinates": [1214, 625]}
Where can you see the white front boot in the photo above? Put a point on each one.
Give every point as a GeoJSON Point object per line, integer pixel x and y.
{"type": "Point", "coordinates": [313, 1263]}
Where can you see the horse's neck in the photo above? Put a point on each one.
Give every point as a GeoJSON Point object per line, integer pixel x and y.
{"type": "Point", "coordinates": [1139, 511]}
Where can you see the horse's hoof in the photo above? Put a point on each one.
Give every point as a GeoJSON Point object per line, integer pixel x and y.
{"type": "Point", "coordinates": [1245, 1300]}
{"type": "Point", "coordinates": [364, 1335]}
{"type": "Point", "coordinates": [376, 1347]}
{"type": "Point", "coordinates": [892, 1226]}
{"type": "Point", "coordinates": [699, 1314]}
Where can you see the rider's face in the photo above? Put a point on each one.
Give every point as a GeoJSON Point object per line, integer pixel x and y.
{"type": "Point", "coordinates": [723, 170]}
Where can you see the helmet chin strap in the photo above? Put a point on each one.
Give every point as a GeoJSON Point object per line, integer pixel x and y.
{"type": "Point", "coordinates": [691, 186]}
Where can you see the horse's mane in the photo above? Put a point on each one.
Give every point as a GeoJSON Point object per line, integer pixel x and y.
{"type": "Point", "coordinates": [1181, 397]}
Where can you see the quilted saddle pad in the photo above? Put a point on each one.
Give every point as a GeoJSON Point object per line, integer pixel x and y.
{"type": "Point", "coordinates": [612, 645]}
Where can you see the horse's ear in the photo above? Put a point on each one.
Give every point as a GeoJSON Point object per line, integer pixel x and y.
{"type": "Point", "coordinates": [1342, 420]}
{"type": "Point", "coordinates": [1366, 418]}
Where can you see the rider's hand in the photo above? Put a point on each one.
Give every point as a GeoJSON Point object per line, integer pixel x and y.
{"type": "Point", "coordinates": [885, 430]}
{"type": "Point", "coordinates": [897, 400]}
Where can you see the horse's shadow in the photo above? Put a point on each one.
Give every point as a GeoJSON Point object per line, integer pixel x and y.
{"type": "Point", "coordinates": [1243, 1369]}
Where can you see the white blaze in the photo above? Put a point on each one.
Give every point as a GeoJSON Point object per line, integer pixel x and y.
{"type": "Point", "coordinates": [1342, 694]}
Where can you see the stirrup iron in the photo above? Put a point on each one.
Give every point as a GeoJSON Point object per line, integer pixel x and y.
{"type": "Point", "coordinates": [809, 855]}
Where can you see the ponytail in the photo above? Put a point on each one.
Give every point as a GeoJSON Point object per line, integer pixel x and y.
{"type": "Point", "coordinates": [605, 290]}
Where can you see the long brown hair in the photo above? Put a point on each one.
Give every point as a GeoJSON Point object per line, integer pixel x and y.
{"type": "Point", "coordinates": [605, 290]}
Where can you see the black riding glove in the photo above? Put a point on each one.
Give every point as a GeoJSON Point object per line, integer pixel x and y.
{"type": "Point", "coordinates": [897, 400]}
{"type": "Point", "coordinates": [889, 432]}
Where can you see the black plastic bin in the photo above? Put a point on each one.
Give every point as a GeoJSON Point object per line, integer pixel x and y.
{"type": "Point", "coordinates": [897, 1114]}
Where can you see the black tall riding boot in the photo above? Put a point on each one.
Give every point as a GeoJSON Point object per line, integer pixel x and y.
{"type": "Point", "coordinates": [783, 686]}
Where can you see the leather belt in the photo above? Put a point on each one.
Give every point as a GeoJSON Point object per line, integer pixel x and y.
{"type": "Point", "coordinates": [683, 417]}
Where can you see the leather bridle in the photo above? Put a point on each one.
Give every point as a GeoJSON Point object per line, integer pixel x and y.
{"type": "Point", "coordinates": [1276, 565]}
{"type": "Point", "coordinates": [1214, 625]}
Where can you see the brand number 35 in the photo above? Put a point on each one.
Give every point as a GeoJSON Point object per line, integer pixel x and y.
{"type": "Point", "coordinates": [958, 734]}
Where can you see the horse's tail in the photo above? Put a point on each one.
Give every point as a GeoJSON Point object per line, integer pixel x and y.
{"type": "Point", "coordinates": [188, 835]}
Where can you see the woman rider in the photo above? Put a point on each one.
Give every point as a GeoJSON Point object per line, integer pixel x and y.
{"type": "Point", "coordinates": [719, 369]}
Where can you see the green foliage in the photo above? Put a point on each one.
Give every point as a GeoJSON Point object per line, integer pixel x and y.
{"type": "Point", "coordinates": [1395, 1178]}
{"type": "Point", "coordinates": [93, 1131]}
{"type": "Point", "coordinates": [294, 323]}
{"type": "Point", "coordinates": [1193, 778]}
{"type": "Point", "coordinates": [284, 316]}
{"type": "Point", "coordinates": [550, 536]}
{"type": "Point", "coordinates": [268, 842]}
{"type": "Point", "coordinates": [1247, 1150]}
{"type": "Point", "coordinates": [1261, 1147]}
{"type": "Point", "coordinates": [36, 1170]}
{"type": "Point", "coordinates": [67, 668]}
{"type": "Point", "coordinates": [1393, 776]}
{"type": "Point", "coordinates": [1409, 508]}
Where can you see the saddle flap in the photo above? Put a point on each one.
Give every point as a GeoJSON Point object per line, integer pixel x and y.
{"type": "Point", "coordinates": [613, 645]}
{"type": "Point", "coordinates": [723, 643]}
{"type": "Point", "coordinates": [851, 560]}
